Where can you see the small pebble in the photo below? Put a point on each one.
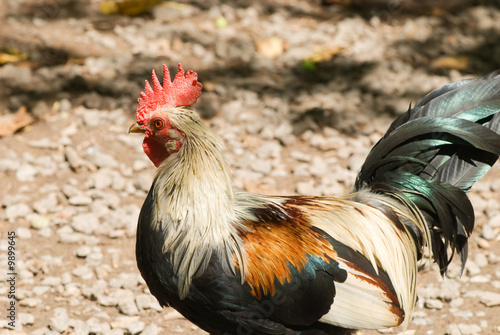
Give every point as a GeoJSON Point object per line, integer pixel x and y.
{"type": "Point", "coordinates": [455, 303]}
{"type": "Point", "coordinates": [84, 272]}
{"type": "Point", "coordinates": [80, 200]}
{"type": "Point", "coordinates": [38, 222]}
{"type": "Point", "coordinates": [140, 164]}
{"type": "Point", "coordinates": [469, 329]}
{"type": "Point", "coordinates": [70, 191]}
{"type": "Point", "coordinates": [147, 301]}
{"type": "Point", "coordinates": [300, 156]}
{"type": "Point", "coordinates": [472, 269]}
{"type": "Point", "coordinates": [23, 233]}
{"type": "Point", "coordinates": [97, 326]}
{"type": "Point", "coordinates": [318, 167]}
{"type": "Point", "coordinates": [122, 321]}
{"type": "Point", "coordinates": [26, 318]}
{"type": "Point", "coordinates": [46, 204]}
{"type": "Point", "coordinates": [494, 222]}
{"type": "Point", "coordinates": [143, 181]}
{"type": "Point", "coordinates": [60, 321]}
{"type": "Point", "coordinates": [480, 259]}
{"type": "Point", "coordinates": [262, 166]}
{"type": "Point", "coordinates": [40, 290]}
{"type": "Point", "coordinates": [51, 281]}
{"type": "Point", "coordinates": [79, 327]}
{"type": "Point", "coordinates": [490, 299]}
{"type": "Point", "coordinates": [126, 303]}
{"type": "Point", "coordinates": [26, 173]}
{"type": "Point", "coordinates": [85, 223]}
{"type": "Point", "coordinates": [17, 211]}
{"type": "Point", "coordinates": [269, 149]}
{"type": "Point", "coordinates": [135, 327]}
{"type": "Point", "coordinates": [152, 329]}
{"type": "Point", "coordinates": [306, 187]}
{"type": "Point", "coordinates": [83, 251]}
{"type": "Point", "coordinates": [488, 233]}
{"type": "Point", "coordinates": [433, 304]}
{"type": "Point", "coordinates": [103, 160]}
{"type": "Point", "coordinates": [30, 302]}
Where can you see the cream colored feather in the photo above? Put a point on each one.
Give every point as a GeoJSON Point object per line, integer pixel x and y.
{"type": "Point", "coordinates": [195, 201]}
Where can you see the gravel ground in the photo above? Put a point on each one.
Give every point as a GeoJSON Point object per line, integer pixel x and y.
{"type": "Point", "coordinates": [298, 90]}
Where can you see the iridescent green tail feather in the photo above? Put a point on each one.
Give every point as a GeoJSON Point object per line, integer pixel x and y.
{"type": "Point", "coordinates": [434, 153]}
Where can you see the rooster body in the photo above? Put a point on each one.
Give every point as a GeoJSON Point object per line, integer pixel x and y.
{"type": "Point", "coordinates": [242, 263]}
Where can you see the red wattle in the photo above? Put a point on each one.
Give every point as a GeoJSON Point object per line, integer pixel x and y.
{"type": "Point", "coordinates": [156, 151]}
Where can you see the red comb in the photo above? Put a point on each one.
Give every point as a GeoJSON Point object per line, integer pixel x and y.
{"type": "Point", "coordinates": [183, 91]}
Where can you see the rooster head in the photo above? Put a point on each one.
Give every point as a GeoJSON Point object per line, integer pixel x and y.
{"type": "Point", "coordinates": [162, 113]}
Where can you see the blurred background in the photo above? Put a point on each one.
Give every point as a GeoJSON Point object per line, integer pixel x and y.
{"type": "Point", "coordinates": [324, 56]}
{"type": "Point", "coordinates": [299, 90]}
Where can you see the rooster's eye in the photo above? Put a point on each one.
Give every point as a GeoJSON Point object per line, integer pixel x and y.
{"type": "Point", "coordinates": [158, 124]}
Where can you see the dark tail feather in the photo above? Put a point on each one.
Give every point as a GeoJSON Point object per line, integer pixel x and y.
{"type": "Point", "coordinates": [434, 153]}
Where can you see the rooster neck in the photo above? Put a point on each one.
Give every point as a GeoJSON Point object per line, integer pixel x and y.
{"type": "Point", "coordinates": [195, 209]}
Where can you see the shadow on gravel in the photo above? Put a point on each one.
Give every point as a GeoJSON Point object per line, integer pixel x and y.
{"type": "Point", "coordinates": [54, 9]}
{"type": "Point", "coordinates": [385, 9]}
{"type": "Point", "coordinates": [284, 81]}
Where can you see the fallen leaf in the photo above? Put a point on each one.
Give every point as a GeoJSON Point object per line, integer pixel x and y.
{"type": "Point", "coordinates": [12, 55]}
{"type": "Point", "coordinates": [127, 7]}
{"type": "Point", "coordinates": [452, 62]}
{"type": "Point", "coordinates": [325, 54]}
{"type": "Point", "coordinates": [271, 47]}
{"type": "Point", "coordinates": [11, 123]}
{"type": "Point", "coordinates": [321, 55]}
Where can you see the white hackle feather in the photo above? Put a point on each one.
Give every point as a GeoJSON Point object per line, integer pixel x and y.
{"type": "Point", "coordinates": [195, 201]}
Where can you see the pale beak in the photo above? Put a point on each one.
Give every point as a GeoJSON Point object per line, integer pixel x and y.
{"type": "Point", "coordinates": [135, 128]}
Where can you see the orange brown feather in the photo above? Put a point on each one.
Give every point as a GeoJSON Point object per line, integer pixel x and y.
{"type": "Point", "coordinates": [293, 240]}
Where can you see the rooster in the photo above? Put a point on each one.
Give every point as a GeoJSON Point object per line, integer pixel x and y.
{"type": "Point", "coordinates": [242, 263]}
